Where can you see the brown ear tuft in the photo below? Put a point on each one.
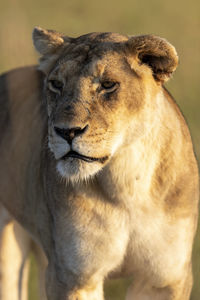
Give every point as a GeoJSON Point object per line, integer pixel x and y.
{"type": "Point", "coordinates": [46, 41]}
{"type": "Point", "coordinates": [49, 44]}
{"type": "Point", "coordinates": [155, 52]}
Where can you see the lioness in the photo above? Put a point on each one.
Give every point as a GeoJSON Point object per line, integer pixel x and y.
{"type": "Point", "coordinates": [97, 164]}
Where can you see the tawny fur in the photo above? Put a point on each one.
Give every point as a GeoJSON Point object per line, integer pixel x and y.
{"type": "Point", "coordinates": [132, 210]}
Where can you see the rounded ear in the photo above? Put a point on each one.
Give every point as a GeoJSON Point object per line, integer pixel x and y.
{"type": "Point", "coordinates": [155, 52]}
{"type": "Point", "coordinates": [49, 44]}
{"type": "Point", "coordinates": [46, 41]}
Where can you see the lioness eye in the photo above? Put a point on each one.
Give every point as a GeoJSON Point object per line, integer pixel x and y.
{"type": "Point", "coordinates": [55, 85]}
{"type": "Point", "coordinates": [108, 84]}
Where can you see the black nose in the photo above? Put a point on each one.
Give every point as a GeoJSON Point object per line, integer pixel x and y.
{"type": "Point", "coordinates": [69, 134]}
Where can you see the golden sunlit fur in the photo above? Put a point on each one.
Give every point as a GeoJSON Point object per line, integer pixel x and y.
{"type": "Point", "coordinates": [97, 164]}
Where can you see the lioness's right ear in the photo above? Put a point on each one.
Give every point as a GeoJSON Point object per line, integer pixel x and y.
{"type": "Point", "coordinates": [47, 41]}
{"type": "Point", "coordinates": [49, 44]}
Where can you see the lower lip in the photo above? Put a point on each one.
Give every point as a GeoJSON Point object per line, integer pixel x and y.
{"type": "Point", "coordinates": [84, 158]}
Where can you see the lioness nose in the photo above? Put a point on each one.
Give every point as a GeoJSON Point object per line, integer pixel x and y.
{"type": "Point", "coordinates": [69, 134]}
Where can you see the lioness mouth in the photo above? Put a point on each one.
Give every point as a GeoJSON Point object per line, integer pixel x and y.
{"type": "Point", "coordinates": [83, 157]}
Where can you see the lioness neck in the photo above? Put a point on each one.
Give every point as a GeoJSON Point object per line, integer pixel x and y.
{"type": "Point", "coordinates": [145, 163]}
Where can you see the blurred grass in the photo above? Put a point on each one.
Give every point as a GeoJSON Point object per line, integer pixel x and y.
{"type": "Point", "coordinates": [33, 288]}
{"type": "Point", "coordinates": [178, 21]}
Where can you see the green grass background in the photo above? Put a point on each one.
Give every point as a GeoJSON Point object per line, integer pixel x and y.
{"type": "Point", "coordinates": [176, 20]}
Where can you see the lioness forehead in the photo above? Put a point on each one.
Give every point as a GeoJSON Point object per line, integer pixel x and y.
{"type": "Point", "coordinates": [87, 63]}
{"type": "Point", "coordinates": [99, 37]}
{"type": "Point", "coordinates": [94, 50]}
{"type": "Point", "coordinates": [95, 41]}
{"type": "Point", "coordinates": [99, 41]}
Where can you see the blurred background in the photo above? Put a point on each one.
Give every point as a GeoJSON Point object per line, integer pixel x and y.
{"type": "Point", "coordinates": [178, 21]}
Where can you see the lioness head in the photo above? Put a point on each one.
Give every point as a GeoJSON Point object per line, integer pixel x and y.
{"type": "Point", "coordinates": [98, 89]}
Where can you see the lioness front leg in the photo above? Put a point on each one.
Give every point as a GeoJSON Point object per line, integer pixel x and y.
{"type": "Point", "coordinates": [82, 294]}
{"type": "Point", "coordinates": [57, 290]}
{"type": "Point", "coordinates": [42, 264]}
{"type": "Point", "coordinates": [88, 294]}
{"type": "Point", "coordinates": [179, 290]}
{"type": "Point", "coordinates": [15, 247]}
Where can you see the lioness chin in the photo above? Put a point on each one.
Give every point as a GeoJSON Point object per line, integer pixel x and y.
{"type": "Point", "coordinates": [97, 164]}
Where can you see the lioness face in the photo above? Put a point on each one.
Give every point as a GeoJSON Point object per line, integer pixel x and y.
{"type": "Point", "coordinates": [89, 107]}
{"type": "Point", "coordinates": [96, 90]}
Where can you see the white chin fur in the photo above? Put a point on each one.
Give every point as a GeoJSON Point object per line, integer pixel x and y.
{"type": "Point", "coordinates": [75, 170]}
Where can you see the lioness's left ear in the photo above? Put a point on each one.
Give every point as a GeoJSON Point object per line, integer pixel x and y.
{"type": "Point", "coordinates": [155, 52]}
